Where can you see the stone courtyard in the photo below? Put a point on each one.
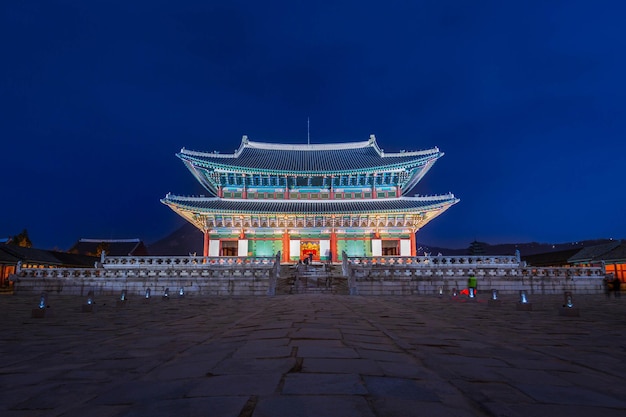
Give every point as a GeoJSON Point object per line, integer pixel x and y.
{"type": "Point", "coordinates": [313, 355]}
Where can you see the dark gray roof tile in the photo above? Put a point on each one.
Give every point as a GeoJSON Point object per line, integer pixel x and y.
{"type": "Point", "coordinates": [218, 205]}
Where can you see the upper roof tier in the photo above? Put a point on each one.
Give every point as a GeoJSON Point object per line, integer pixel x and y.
{"type": "Point", "coordinates": [307, 159]}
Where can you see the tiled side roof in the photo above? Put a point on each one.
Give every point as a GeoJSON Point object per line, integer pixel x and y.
{"type": "Point", "coordinates": [593, 252]}
{"type": "Point", "coordinates": [121, 247]}
{"type": "Point", "coordinates": [310, 158]}
{"type": "Point", "coordinates": [219, 205]}
{"type": "Point", "coordinates": [556, 258]}
{"type": "Point", "coordinates": [6, 257]}
{"type": "Point", "coordinates": [617, 254]}
{"type": "Point", "coordinates": [32, 255]}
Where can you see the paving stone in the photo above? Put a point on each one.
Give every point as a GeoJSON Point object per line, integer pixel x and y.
{"type": "Point", "coordinates": [551, 394]}
{"type": "Point", "coordinates": [398, 388]}
{"type": "Point", "coordinates": [188, 407]}
{"type": "Point", "coordinates": [228, 385]}
{"type": "Point", "coordinates": [327, 352]}
{"type": "Point", "coordinates": [317, 384]}
{"type": "Point", "coordinates": [312, 355]}
{"type": "Point", "coordinates": [250, 366]}
{"type": "Point", "coordinates": [406, 407]}
{"type": "Point", "coordinates": [313, 406]}
{"type": "Point", "coordinates": [343, 365]}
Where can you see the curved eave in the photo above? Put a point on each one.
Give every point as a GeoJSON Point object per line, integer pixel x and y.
{"type": "Point", "coordinates": [202, 179]}
{"type": "Point", "coordinates": [417, 175]}
{"type": "Point", "coordinates": [409, 165]}
{"type": "Point", "coordinates": [410, 205]}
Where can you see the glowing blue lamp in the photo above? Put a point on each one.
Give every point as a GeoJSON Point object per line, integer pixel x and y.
{"type": "Point", "coordinates": [43, 300]}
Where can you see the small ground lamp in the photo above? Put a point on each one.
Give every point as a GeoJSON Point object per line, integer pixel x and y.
{"type": "Point", "coordinates": [41, 310]}
{"type": "Point", "coordinates": [472, 293]}
{"type": "Point", "coordinates": [122, 301]}
{"type": "Point", "coordinates": [166, 294]}
{"type": "Point", "coordinates": [523, 303]}
{"type": "Point", "coordinates": [181, 292]}
{"type": "Point", "coordinates": [494, 300]}
{"type": "Point", "coordinates": [568, 309]}
{"type": "Point", "coordinates": [89, 305]}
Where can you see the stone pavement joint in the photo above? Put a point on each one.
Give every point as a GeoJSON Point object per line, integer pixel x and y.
{"type": "Point", "coordinates": [313, 355]}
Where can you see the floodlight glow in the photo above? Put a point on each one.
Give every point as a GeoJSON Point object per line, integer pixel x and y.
{"type": "Point", "coordinates": [523, 298]}
{"type": "Point", "coordinates": [181, 292]}
{"type": "Point", "coordinates": [166, 293]}
{"type": "Point", "coordinates": [454, 292]}
{"type": "Point", "coordinates": [43, 300]}
{"type": "Point", "coordinates": [569, 302]}
{"type": "Point", "coordinates": [123, 296]}
{"type": "Point", "coordinates": [147, 292]}
{"type": "Point", "coordinates": [494, 294]}
{"type": "Point", "coordinates": [90, 297]}
{"type": "Point", "coordinates": [472, 292]}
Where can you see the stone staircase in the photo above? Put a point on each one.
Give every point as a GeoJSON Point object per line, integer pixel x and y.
{"type": "Point", "coordinates": [311, 279]}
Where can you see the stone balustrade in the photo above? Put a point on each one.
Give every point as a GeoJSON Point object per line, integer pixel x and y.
{"type": "Point", "coordinates": [234, 276]}
{"type": "Point", "coordinates": [429, 261]}
{"type": "Point", "coordinates": [428, 275]}
{"type": "Point", "coordinates": [182, 261]}
{"type": "Point", "coordinates": [198, 276]}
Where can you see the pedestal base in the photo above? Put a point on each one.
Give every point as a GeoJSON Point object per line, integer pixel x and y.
{"type": "Point", "coordinates": [569, 312]}
{"type": "Point", "coordinates": [494, 303]}
{"type": "Point", "coordinates": [87, 308]}
{"type": "Point", "coordinates": [524, 307]}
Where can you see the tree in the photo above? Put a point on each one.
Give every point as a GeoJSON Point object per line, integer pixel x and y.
{"type": "Point", "coordinates": [22, 240]}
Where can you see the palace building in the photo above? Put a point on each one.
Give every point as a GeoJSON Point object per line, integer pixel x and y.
{"type": "Point", "coordinates": [309, 200]}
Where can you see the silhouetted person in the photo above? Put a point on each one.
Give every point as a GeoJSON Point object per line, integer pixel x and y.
{"type": "Point", "coordinates": [608, 284]}
{"type": "Point", "coordinates": [616, 286]}
{"type": "Point", "coordinates": [472, 282]}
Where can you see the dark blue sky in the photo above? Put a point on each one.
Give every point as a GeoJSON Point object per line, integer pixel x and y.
{"type": "Point", "coordinates": [527, 100]}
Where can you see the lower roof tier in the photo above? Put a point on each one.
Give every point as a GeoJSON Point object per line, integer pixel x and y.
{"type": "Point", "coordinates": [214, 205]}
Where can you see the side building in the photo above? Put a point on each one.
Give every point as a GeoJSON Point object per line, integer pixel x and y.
{"type": "Point", "coordinates": [314, 201]}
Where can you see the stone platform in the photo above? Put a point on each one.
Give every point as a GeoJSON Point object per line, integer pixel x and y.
{"type": "Point", "coordinates": [313, 355]}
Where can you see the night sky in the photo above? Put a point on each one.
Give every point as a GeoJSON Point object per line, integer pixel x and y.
{"type": "Point", "coordinates": [527, 99]}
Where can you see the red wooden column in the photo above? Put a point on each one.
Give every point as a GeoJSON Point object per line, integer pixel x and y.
{"type": "Point", "coordinates": [205, 251]}
{"type": "Point", "coordinates": [286, 254]}
{"type": "Point", "coordinates": [374, 187]}
{"type": "Point", "coordinates": [333, 246]}
{"type": "Point", "coordinates": [413, 248]}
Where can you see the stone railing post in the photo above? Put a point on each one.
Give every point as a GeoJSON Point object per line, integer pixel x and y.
{"type": "Point", "coordinates": [273, 276]}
